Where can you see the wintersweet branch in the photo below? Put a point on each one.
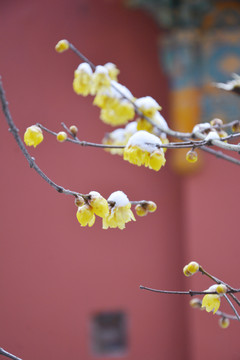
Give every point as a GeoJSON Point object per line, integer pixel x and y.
{"type": "Point", "coordinates": [9, 355]}
{"type": "Point", "coordinates": [233, 308]}
{"type": "Point", "coordinates": [13, 129]}
{"type": "Point", "coordinates": [189, 292]}
{"type": "Point", "coordinates": [76, 140]}
{"type": "Point", "coordinates": [177, 134]}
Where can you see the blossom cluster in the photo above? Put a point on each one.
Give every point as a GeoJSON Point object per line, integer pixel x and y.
{"type": "Point", "coordinates": [212, 300]}
{"type": "Point", "coordinates": [115, 211]}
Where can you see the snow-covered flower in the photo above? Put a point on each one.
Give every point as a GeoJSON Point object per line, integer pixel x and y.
{"type": "Point", "coordinates": [119, 113]}
{"type": "Point", "coordinates": [120, 211]}
{"type": "Point", "coordinates": [115, 103]}
{"type": "Point", "coordinates": [98, 204]}
{"type": "Point", "coordinates": [119, 137]}
{"type": "Point", "coordinates": [33, 136]}
{"type": "Point", "coordinates": [211, 302]}
{"type": "Point", "coordinates": [143, 149]}
{"type": "Point", "coordinates": [148, 106]}
{"type": "Point", "coordinates": [113, 71]}
{"type": "Point", "coordinates": [100, 79]}
{"type": "Point", "coordinates": [82, 82]}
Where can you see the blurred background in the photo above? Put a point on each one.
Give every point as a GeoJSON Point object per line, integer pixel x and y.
{"type": "Point", "coordinates": [73, 292]}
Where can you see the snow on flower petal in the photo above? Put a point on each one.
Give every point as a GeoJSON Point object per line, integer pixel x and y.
{"type": "Point", "coordinates": [143, 149]}
{"type": "Point", "coordinates": [82, 82]}
{"type": "Point", "coordinates": [113, 71]}
{"type": "Point", "coordinates": [33, 136]}
{"type": "Point", "coordinates": [120, 212]}
{"type": "Point", "coordinates": [100, 79]}
{"type": "Point", "coordinates": [98, 204]}
{"type": "Point", "coordinates": [148, 106]}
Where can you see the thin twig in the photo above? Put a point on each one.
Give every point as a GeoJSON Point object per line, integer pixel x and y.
{"type": "Point", "coordinates": [233, 308]}
{"type": "Point", "coordinates": [190, 292]}
{"type": "Point", "coordinates": [220, 154]}
{"type": "Point", "coordinates": [9, 355]}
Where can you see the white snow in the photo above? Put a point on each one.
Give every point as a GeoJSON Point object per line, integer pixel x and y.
{"type": "Point", "coordinates": [212, 135]}
{"type": "Point", "coordinates": [159, 120]}
{"type": "Point", "coordinates": [123, 90]}
{"type": "Point", "coordinates": [85, 67]}
{"type": "Point", "coordinates": [144, 140]}
{"type": "Point", "coordinates": [95, 194]}
{"type": "Point", "coordinates": [146, 103]}
{"type": "Point", "coordinates": [117, 135]}
{"type": "Point", "coordinates": [119, 198]}
{"type": "Point", "coordinates": [101, 70]}
{"type": "Point", "coordinates": [131, 127]}
{"type": "Point", "coordinates": [201, 127]}
{"type": "Point", "coordinates": [230, 85]}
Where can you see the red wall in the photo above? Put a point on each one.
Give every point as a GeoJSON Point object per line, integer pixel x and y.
{"type": "Point", "coordinates": [54, 274]}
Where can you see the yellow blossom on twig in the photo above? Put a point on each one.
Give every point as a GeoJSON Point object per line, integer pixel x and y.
{"type": "Point", "coordinates": [33, 136]}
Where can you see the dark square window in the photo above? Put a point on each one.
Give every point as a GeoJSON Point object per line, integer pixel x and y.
{"type": "Point", "coordinates": [109, 333]}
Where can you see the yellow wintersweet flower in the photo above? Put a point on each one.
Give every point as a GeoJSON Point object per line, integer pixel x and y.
{"type": "Point", "coordinates": [33, 136]}
{"type": "Point", "coordinates": [100, 79]}
{"type": "Point", "coordinates": [119, 137]}
{"type": "Point", "coordinates": [116, 137]}
{"type": "Point", "coordinates": [158, 124]}
{"type": "Point", "coordinates": [85, 215]}
{"type": "Point", "coordinates": [82, 82]}
{"type": "Point", "coordinates": [211, 302]}
{"type": "Point", "coordinates": [113, 71]}
{"type": "Point", "coordinates": [115, 108]}
{"type": "Point", "coordinates": [120, 212]}
{"type": "Point", "coordinates": [119, 113]}
{"type": "Point", "coordinates": [191, 268]}
{"type": "Point", "coordinates": [143, 149]}
{"type": "Point", "coordinates": [98, 204]}
{"type": "Point", "coordinates": [62, 46]}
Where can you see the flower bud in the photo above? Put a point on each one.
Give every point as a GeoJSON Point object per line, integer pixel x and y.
{"type": "Point", "coordinates": [222, 134]}
{"type": "Point", "coordinates": [224, 322]}
{"type": "Point", "coordinates": [191, 268]}
{"type": "Point", "coordinates": [236, 126]}
{"type": "Point", "coordinates": [141, 210]}
{"type": "Point", "coordinates": [62, 46]}
{"type": "Point", "coordinates": [216, 122]}
{"type": "Point", "coordinates": [195, 303]}
{"type": "Point", "coordinates": [191, 156]}
{"type": "Point", "coordinates": [73, 130]}
{"type": "Point", "coordinates": [151, 206]}
{"type": "Point", "coordinates": [79, 201]}
{"type": "Point", "coordinates": [221, 289]}
{"type": "Point", "coordinates": [61, 136]}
